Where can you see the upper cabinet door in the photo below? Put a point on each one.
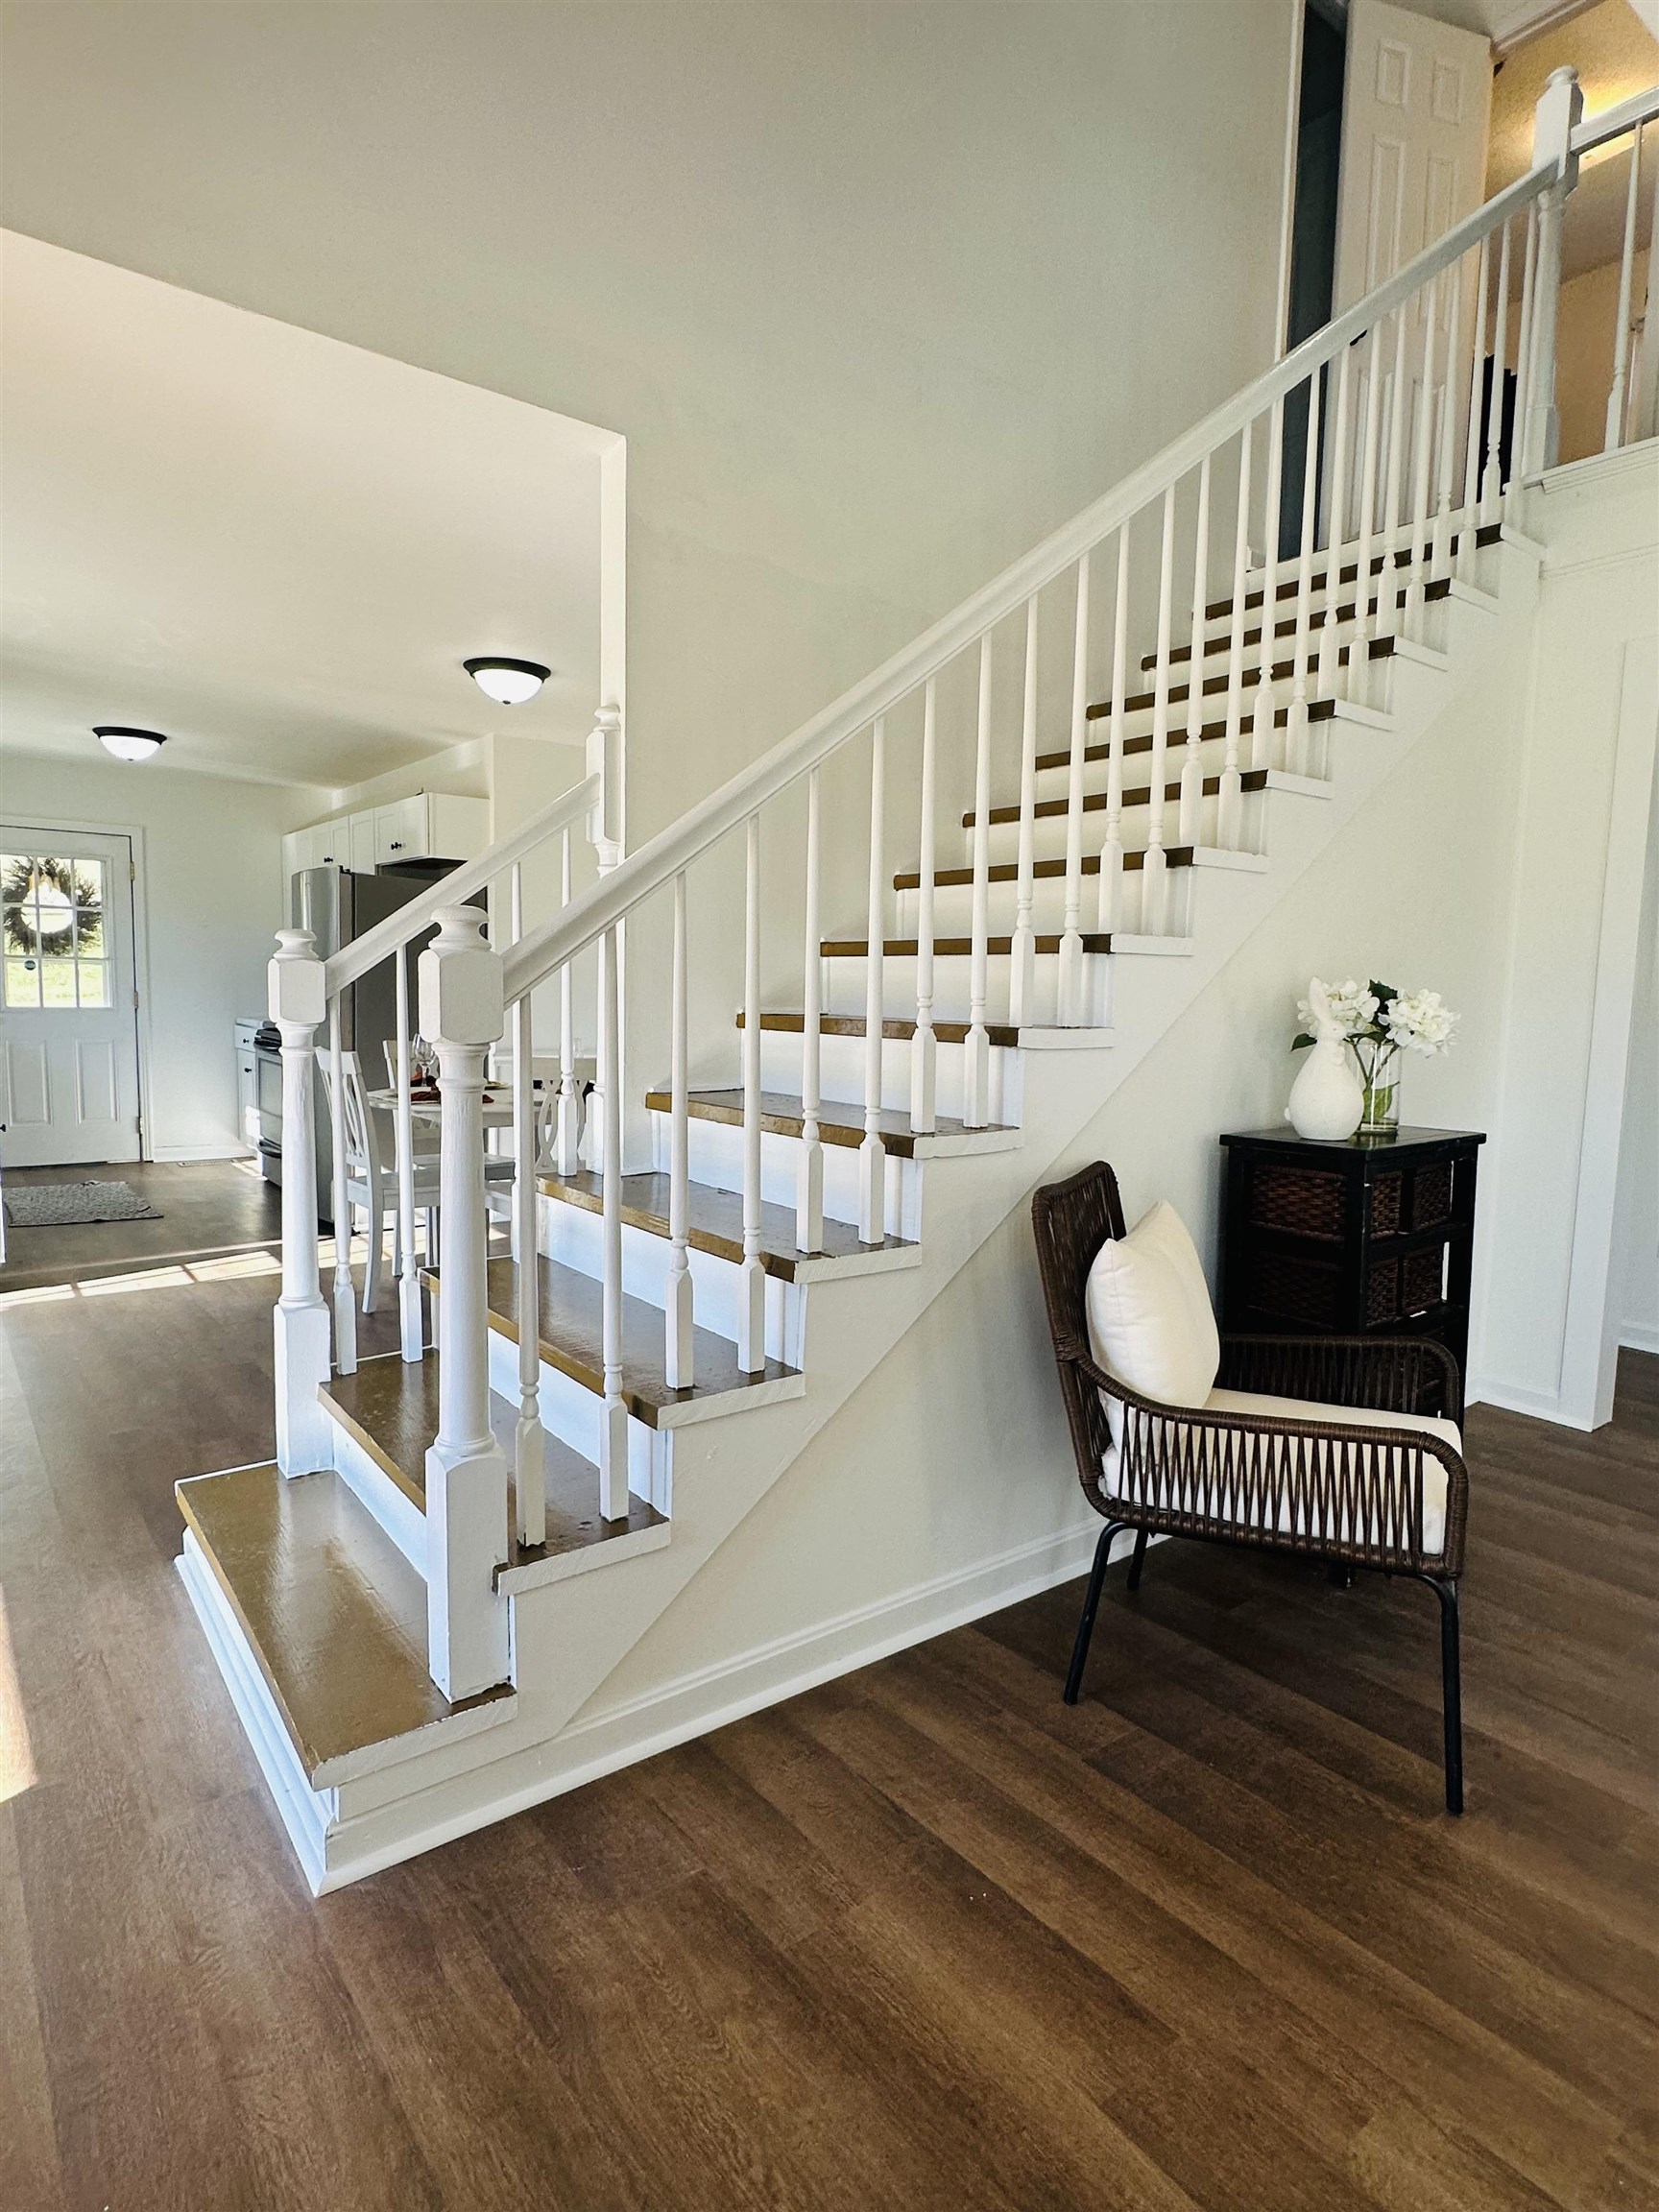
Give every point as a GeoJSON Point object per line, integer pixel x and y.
{"type": "Point", "coordinates": [1416, 100]}
{"type": "Point", "coordinates": [363, 855]}
{"type": "Point", "coordinates": [400, 830]}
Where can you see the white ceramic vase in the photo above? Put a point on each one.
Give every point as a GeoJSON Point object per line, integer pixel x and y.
{"type": "Point", "coordinates": [1327, 1099]}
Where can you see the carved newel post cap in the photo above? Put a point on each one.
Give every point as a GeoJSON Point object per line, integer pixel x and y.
{"type": "Point", "coordinates": [460, 981]}
{"type": "Point", "coordinates": [295, 981]}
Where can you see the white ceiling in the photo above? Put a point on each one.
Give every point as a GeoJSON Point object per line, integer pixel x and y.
{"type": "Point", "coordinates": [274, 547]}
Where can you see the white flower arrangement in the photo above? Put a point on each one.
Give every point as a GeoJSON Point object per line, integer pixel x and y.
{"type": "Point", "coordinates": [1379, 1022]}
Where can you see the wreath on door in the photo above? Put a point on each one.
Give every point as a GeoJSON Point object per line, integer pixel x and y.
{"type": "Point", "coordinates": [39, 898]}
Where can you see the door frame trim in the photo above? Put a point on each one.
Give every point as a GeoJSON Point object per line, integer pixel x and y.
{"type": "Point", "coordinates": [137, 889]}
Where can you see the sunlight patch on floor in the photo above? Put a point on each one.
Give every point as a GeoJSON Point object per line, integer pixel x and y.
{"type": "Point", "coordinates": [16, 1758]}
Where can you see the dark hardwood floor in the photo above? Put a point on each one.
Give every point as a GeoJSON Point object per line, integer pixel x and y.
{"type": "Point", "coordinates": [208, 1208]}
{"type": "Point", "coordinates": [922, 1938]}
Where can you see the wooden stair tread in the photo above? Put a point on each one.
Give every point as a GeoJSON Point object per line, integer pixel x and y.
{"type": "Point", "coordinates": [837, 1123]}
{"type": "Point", "coordinates": [715, 1219]}
{"type": "Point", "coordinates": [1318, 711]}
{"type": "Point", "coordinates": [1281, 672]}
{"type": "Point", "coordinates": [333, 1613]}
{"type": "Point", "coordinates": [852, 1026]}
{"type": "Point", "coordinates": [1008, 870]}
{"type": "Point", "coordinates": [390, 1405]}
{"type": "Point", "coordinates": [1486, 534]}
{"type": "Point", "coordinates": [949, 948]}
{"type": "Point", "coordinates": [1441, 587]}
{"type": "Point", "coordinates": [571, 1325]}
{"type": "Point", "coordinates": [1249, 779]}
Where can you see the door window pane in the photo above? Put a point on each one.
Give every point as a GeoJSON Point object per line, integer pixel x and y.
{"type": "Point", "coordinates": [52, 925]}
{"type": "Point", "coordinates": [23, 982]}
{"type": "Point", "coordinates": [92, 977]}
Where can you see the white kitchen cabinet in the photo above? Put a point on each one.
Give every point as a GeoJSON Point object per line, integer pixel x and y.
{"type": "Point", "coordinates": [365, 860]}
{"type": "Point", "coordinates": [331, 843]}
{"type": "Point", "coordinates": [431, 826]}
{"type": "Point", "coordinates": [247, 1082]}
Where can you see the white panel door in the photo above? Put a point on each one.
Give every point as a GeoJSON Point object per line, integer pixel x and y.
{"type": "Point", "coordinates": [1416, 99]}
{"type": "Point", "coordinates": [68, 1006]}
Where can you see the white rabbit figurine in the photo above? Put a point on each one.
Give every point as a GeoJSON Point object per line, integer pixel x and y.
{"type": "Point", "coordinates": [1327, 1099]}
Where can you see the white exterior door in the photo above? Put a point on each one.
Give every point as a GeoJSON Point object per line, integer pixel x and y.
{"type": "Point", "coordinates": [68, 1002]}
{"type": "Point", "coordinates": [1416, 100]}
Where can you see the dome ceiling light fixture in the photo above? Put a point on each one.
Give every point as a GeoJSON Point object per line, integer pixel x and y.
{"type": "Point", "coordinates": [128, 744]}
{"type": "Point", "coordinates": [508, 683]}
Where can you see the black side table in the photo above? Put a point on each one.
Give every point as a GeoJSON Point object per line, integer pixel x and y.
{"type": "Point", "coordinates": [1369, 1237]}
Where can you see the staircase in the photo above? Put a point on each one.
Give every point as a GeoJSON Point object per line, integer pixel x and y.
{"type": "Point", "coordinates": [458, 1543]}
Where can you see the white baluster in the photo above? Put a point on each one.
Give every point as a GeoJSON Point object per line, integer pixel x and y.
{"type": "Point", "coordinates": [1423, 461]}
{"type": "Point", "coordinates": [410, 1329]}
{"type": "Point", "coordinates": [1070, 979]}
{"type": "Point", "coordinates": [1469, 531]}
{"type": "Point", "coordinates": [977, 1049]}
{"type": "Point", "coordinates": [461, 1010]}
{"type": "Point", "coordinates": [1523, 369]}
{"type": "Point", "coordinates": [529, 1443]}
{"type": "Point", "coordinates": [1022, 946]}
{"type": "Point", "coordinates": [1154, 878]}
{"type": "Point", "coordinates": [1302, 643]}
{"type": "Point", "coordinates": [1230, 805]}
{"type": "Point", "coordinates": [297, 1002]}
{"type": "Point", "coordinates": [608, 1104]}
{"type": "Point", "coordinates": [1190, 819]}
{"type": "Point", "coordinates": [1359, 647]}
{"type": "Point", "coordinates": [1388, 576]}
{"type": "Point", "coordinates": [1331, 627]}
{"type": "Point", "coordinates": [345, 1291]}
{"type": "Point", "coordinates": [751, 1276]}
{"type": "Point", "coordinates": [1264, 707]}
{"type": "Point", "coordinates": [679, 1370]}
{"type": "Point", "coordinates": [1440, 564]}
{"type": "Point", "coordinates": [1615, 429]}
{"type": "Point", "coordinates": [923, 1050]}
{"type": "Point", "coordinates": [1112, 849]}
{"type": "Point", "coordinates": [872, 1153]}
{"type": "Point", "coordinates": [1559, 110]}
{"type": "Point", "coordinates": [1643, 417]}
{"type": "Point", "coordinates": [1492, 482]}
{"type": "Point", "coordinates": [567, 1129]}
{"type": "Point", "coordinates": [809, 1183]}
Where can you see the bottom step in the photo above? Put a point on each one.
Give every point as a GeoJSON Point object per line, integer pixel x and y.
{"type": "Point", "coordinates": [333, 1616]}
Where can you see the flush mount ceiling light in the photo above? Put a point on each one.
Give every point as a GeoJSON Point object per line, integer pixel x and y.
{"type": "Point", "coordinates": [509, 682]}
{"type": "Point", "coordinates": [128, 744]}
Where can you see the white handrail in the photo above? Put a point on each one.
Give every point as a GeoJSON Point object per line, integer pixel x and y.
{"type": "Point", "coordinates": [1596, 130]}
{"type": "Point", "coordinates": [457, 887]}
{"type": "Point", "coordinates": [655, 863]}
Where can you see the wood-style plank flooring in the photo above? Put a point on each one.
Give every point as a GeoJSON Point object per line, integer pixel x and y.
{"type": "Point", "coordinates": [922, 1938]}
{"type": "Point", "coordinates": [207, 1207]}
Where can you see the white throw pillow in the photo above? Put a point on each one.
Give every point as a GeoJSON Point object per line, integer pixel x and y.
{"type": "Point", "coordinates": [1151, 1321]}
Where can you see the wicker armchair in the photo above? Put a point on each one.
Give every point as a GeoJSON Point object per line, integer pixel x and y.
{"type": "Point", "coordinates": [1245, 1468]}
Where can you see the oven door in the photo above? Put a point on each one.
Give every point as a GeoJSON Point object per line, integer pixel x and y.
{"type": "Point", "coordinates": [268, 1112]}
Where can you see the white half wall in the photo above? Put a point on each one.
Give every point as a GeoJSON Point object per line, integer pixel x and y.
{"type": "Point", "coordinates": [211, 882]}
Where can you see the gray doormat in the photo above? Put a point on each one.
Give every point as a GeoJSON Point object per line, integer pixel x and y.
{"type": "Point", "coordinates": [68, 1205]}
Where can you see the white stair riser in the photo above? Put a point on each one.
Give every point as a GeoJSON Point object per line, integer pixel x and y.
{"type": "Point", "coordinates": [1054, 784]}
{"type": "Point", "coordinates": [572, 1413]}
{"type": "Point", "coordinates": [716, 1154]}
{"type": "Point", "coordinates": [844, 987]}
{"type": "Point", "coordinates": [396, 1513]}
{"type": "Point", "coordinates": [841, 1069]}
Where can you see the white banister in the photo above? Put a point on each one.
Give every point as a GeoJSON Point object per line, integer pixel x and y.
{"type": "Point", "coordinates": [1559, 111]}
{"type": "Point", "coordinates": [809, 1183]}
{"type": "Point", "coordinates": [1070, 979]}
{"type": "Point", "coordinates": [1022, 946]}
{"type": "Point", "coordinates": [1302, 636]}
{"type": "Point", "coordinates": [1365, 550]}
{"type": "Point", "coordinates": [977, 1049]}
{"type": "Point", "coordinates": [1190, 816]}
{"type": "Point", "coordinates": [410, 1331]}
{"type": "Point", "coordinates": [568, 1128]}
{"type": "Point", "coordinates": [679, 1370]}
{"type": "Point", "coordinates": [1112, 849]}
{"type": "Point", "coordinates": [1264, 707]}
{"type": "Point", "coordinates": [1615, 427]}
{"type": "Point", "coordinates": [925, 1049]}
{"type": "Point", "coordinates": [614, 1413]}
{"type": "Point", "coordinates": [1230, 805]}
{"type": "Point", "coordinates": [345, 1291]}
{"type": "Point", "coordinates": [297, 1002]}
{"type": "Point", "coordinates": [1154, 876]}
{"type": "Point", "coordinates": [751, 1276]}
{"type": "Point", "coordinates": [529, 1443]}
{"type": "Point", "coordinates": [1522, 366]}
{"type": "Point", "coordinates": [1644, 414]}
{"type": "Point", "coordinates": [1466, 541]}
{"type": "Point", "coordinates": [1330, 622]}
{"type": "Point", "coordinates": [872, 1153]}
{"type": "Point", "coordinates": [1492, 482]}
{"type": "Point", "coordinates": [1423, 457]}
{"type": "Point", "coordinates": [460, 1011]}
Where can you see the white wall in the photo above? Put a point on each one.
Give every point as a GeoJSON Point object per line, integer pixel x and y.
{"type": "Point", "coordinates": [212, 893]}
{"type": "Point", "coordinates": [1636, 1282]}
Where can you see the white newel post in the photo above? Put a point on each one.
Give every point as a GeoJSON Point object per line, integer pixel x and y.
{"type": "Point", "coordinates": [1559, 110]}
{"type": "Point", "coordinates": [461, 1005]}
{"type": "Point", "coordinates": [298, 1005]}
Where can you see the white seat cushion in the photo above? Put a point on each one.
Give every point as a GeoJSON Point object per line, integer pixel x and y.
{"type": "Point", "coordinates": [1325, 1515]}
{"type": "Point", "coordinates": [1151, 1321]}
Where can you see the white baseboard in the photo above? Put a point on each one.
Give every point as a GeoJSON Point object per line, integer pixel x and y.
{"type": "Point", "coordinates": [709, 1697]}
{"type": "Point", "coordinates": [1638, 1337]}
{"type": "Point", "coordinates": [182, 1155]}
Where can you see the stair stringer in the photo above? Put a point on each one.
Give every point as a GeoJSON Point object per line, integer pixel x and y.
{"type": "Point", "coordinates": [570, 1637]}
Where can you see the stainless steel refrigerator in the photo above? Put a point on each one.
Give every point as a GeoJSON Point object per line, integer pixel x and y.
{"type": "Point", "coordinates": [337, 905]}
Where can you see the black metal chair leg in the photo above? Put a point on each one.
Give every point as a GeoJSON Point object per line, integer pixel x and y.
{"type": "Point", "coordinates": [1091, 1601]}
{"type": "Point", "coordinates": [1135, 1562]}
{"type": "Point", "coordinates": [1452, 1689]}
